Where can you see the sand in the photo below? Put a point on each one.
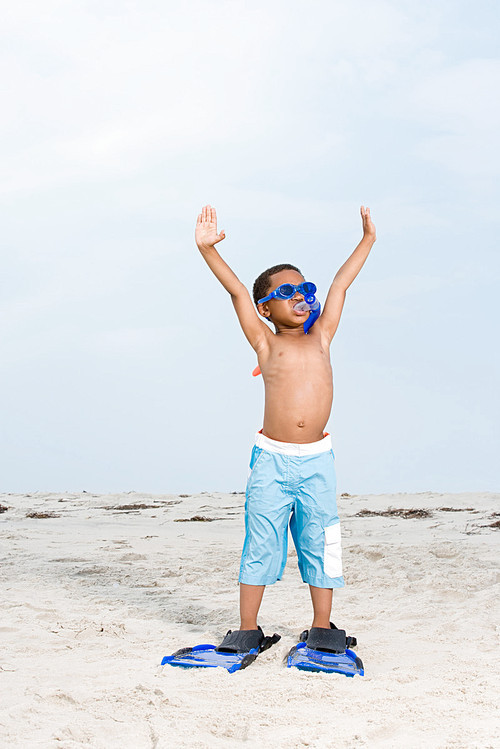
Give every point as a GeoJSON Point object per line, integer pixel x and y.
{"type": "Point", "coordinates": [93, 596]}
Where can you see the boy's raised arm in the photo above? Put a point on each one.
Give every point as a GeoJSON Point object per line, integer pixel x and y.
{"type": "Point", "coordinates": [330, 318]}
{"type": "Point", "coordinates": [207, 237]}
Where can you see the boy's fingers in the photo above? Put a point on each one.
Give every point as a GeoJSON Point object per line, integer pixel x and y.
{"type": "Point", "coordinates": [208, 214]}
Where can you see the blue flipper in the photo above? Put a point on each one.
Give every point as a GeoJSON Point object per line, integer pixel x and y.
{"type": "Point", "coordinates": [206, 656]}
{"type": "Point", "coordinates": [305, 659]}
{"type": "Point", "coordinates": [234, 653]}
{"type": "Point", "coordinates": [326, 650]}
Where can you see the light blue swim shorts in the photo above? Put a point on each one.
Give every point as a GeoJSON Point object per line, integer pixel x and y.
{"type": "Point", "coordinates": [292, 484]}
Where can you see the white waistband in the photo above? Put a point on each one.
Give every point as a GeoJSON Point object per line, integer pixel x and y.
{"type": "Point", "coordinates": [296, 449]}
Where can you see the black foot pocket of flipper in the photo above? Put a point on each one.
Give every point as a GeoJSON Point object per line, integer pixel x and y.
{"type": "Point", "coordinates": [327, 640]}
{"type": "Point", "coordinates": [245, 640]}
{"type": "Point", "coordinates": [331, 640]}
{"type": "Point", "coordinates": [237, 651]}
{"type": "Point", "coordinates": [241, 641]}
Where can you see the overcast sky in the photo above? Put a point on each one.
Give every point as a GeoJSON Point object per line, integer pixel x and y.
{"type": "Point", "coordinates": [123, 366]}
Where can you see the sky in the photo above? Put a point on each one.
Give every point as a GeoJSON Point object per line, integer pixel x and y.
{"type": "Point", "coordinates": [123, 367]}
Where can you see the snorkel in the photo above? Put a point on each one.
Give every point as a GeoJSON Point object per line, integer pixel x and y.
{"type": "Point", "coordinates": [309, 303]}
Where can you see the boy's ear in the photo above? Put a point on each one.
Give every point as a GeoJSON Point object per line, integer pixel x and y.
{"type": "Point", "coordinates": [264, 310]}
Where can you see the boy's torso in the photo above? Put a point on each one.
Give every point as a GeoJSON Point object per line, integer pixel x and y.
{"type": "Point", "coordinates": [298, 387]}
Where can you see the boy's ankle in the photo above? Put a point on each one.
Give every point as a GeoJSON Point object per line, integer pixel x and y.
{"type": "Point", "coordinates": [321, 624]}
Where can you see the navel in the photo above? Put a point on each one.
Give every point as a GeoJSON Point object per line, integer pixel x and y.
{"type": "Point", "coordinates": [301, 423]}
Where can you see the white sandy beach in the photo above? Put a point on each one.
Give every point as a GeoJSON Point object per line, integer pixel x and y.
{"type": "Point", "coordinates": [93, 596]}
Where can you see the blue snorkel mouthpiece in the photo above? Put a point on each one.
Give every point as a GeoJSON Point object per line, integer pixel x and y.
{"type": "Point", "coordinates": [310, 303]}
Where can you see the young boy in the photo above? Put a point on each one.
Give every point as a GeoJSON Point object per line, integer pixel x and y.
{"type": "Point", "coordinates": [292, 470]}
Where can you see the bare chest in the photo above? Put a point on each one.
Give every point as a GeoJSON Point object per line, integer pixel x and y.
{"type": "Point", "coordinates": [296, 358]}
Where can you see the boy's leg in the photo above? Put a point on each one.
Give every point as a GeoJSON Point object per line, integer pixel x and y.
{"type": "Point", "coordinates": [267, 510]}
{"type": "Point", "coordinates": [322, 606]}
{"type": "Point", "coordinates": [316, 533]}
{"type": "Point", "coordinates": [250, 600]}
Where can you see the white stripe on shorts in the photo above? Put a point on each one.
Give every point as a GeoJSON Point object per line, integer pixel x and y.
{"type": "Point", "coordinates": [296, 449]}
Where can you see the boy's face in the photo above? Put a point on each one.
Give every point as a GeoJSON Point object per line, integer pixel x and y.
{"type": "Point", "coordinates": [281, 311]}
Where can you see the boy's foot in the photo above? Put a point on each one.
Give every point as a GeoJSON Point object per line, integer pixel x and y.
{"type": "Point", "coordinates": [243, 640]}
{"type": "Point", "coordinates": [326, 650]}
{"type": "Point", "coordinates": [237, 650]}
{"type": "Point", "coordinates": [331, 640]}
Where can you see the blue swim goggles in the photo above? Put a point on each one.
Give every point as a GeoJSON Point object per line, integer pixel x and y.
{"type": "Point", "coordinates": [287, 290]}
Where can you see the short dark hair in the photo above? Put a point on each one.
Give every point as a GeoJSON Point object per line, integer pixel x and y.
{"type": "Point", "coordinates": [263, 282]}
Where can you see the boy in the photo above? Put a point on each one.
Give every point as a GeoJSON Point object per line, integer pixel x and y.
{"type": "Point", "coordinates": [292, 470]}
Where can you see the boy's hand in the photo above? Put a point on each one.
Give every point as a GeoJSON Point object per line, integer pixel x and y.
{"type": "Point", "coordinates": [368, 225]}
{"type": "Point", "coordinates": [206, 229]}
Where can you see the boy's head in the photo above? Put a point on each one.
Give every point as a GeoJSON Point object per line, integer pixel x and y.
{"type": "Point", "coordinates": [264, 283]}
{"type": "Point", "coordinates": [280, 312]}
